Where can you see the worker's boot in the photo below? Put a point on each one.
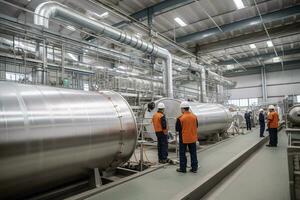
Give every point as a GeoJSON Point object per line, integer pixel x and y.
{"type": "Point", "coordinates": [181, 170]}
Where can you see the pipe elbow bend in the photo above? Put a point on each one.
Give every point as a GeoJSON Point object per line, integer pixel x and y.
{"type": "Point", "coordinates": [44, 11]}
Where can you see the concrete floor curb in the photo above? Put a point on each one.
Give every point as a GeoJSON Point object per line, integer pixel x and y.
{"type": "Point", "coordinates": [213, 178]}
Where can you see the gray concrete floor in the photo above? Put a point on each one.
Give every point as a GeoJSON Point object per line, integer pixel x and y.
{"type": "Point", "coordinates": [166, 183]}
{"type": "Point", "coordinates": [264, 176]}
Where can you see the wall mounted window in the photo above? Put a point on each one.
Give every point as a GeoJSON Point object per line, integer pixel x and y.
{"type": "Point", "coordinates": [86, 87]}
{"type": "Point", "coordinates": [298, 98]}
{"type": "Point", "coordinates": [234, 102]}
{"type": "Point", "coordinates": [253, 101]}
{"type": "Point", "coordinates": [244, 102]}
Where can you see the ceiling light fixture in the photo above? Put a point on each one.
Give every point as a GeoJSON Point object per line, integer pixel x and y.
{"type": "Point", "coordinates": [103, 15]}
{"type": "Point", "coordinates": [239, 4]}
{"type": "Point", "coordinates": [252, 46]}
{"type": "Point", "coordinates": [229, 67]}
{"type": "Point", "coordinates": [270, 43]}
{"type": "Point", "coordinates": [71, 28]}
{"type": "Point", "coordinates": [180, 22]}
{"type": "Point", "coordinates": [72, 56]}
{"type": "Point", "coordinates": [276, 59]}
{"type": "Point", "coordinates": [138, 35]}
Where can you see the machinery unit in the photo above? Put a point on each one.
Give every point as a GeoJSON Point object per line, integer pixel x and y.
{"type": "Point", "coordinates": [50, 137]}
{"type": "Point", "coordinates": [213, 119]}
{"type": "Point", "coordinates": [293, 132]}
{"type": "Point", "coordinates": [293, 116]}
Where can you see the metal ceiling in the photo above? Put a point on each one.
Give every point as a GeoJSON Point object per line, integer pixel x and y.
{"type": "Point", "coordinates": [230, 47]}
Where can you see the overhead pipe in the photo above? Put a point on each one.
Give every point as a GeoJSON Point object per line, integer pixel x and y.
{"type": "Point", "coordinates": [51, 9]}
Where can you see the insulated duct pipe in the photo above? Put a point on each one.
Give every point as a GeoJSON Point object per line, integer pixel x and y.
{"type": "Point", "coordinates": [52, 9]}
{"type": "Point", "coordinates": [200, 68]}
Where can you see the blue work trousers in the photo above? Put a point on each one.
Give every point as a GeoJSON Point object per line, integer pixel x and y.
{"type": "Point", "coordinates": [162, 145]}
{"type": "Point", "coordinates": [182, 155]}
{"type": "Point", "coordinates": [262, 128]}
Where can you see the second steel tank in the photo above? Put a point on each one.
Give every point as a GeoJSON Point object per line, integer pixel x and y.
{"type": "Point", "coordinates": [212, 118]}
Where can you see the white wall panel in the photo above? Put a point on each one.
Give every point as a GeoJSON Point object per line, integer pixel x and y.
{"type": "Point", "coordinates": [279, 84]}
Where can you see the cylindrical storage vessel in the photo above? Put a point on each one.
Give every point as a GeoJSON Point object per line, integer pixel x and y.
{"type": "Point", "coordinates": [52, 136]}
{"type": "Point", "coordinates": [212, 118]}
{"type": "Point", "coordinates": [294, 115]}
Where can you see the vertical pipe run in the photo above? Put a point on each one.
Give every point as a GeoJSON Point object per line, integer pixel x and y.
{"type": "Point", "coordinates": [44, 74]}
{"type": "Point", "coordinates": [263, 85]}
{"type": "Point", "coordinates": [203, 86]}
{"type": "Point", "coordinates": [62, 62]}
{"type": "Point", "coordinates": [265, 78]}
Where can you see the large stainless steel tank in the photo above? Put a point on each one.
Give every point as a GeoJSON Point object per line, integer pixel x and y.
{"type": "Point", "coordinates": [212, 118]}
{"type": "Point", "coordinates": [294, 115]}
{"type": "Point", "coordinates": [52, 136]}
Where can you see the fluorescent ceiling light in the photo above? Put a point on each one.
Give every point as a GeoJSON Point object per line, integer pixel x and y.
{"type": "Point", "coordinates": [269, 43]}
{"type": "Point", "coordinates": [138, 35]}
{"type": "Point", "coordinates": [229, 67]}
{"type": "Point", "coordinates": [252, 46]}
{"type": "Point", "coordinates": [239, 4]}
{"type": "Point", "coordinates": [72, 56]}
{"type": "Point", "coordinates": [122, 67]}
{"type": "Point", "coordinates": [276, 59]}
{"type": "Point", "coordinates": [71, 28]}
{"type": "Point", "coordinates": [179, 21]}
{"type": "Point", "coordinates": [103, 15]}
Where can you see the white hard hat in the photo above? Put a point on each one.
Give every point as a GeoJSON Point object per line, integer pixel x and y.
{"type": "Point", "coordinates": [271, 107]}
{"type": "Point", "coordinates": [261, 110]}
{"type": "Point", "coordinates": [184, 104]}
{"type": "Point", "coordinates": [161, 106]}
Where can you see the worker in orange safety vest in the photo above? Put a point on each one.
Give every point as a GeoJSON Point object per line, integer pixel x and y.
{"type": "Point", "coordinates": [273, 119]}
{"type": "Point", "coordinates": [186, 126]}
{"type": "Point", "coordinates": [159, 122]}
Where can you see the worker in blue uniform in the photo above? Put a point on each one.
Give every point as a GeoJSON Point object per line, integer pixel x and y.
{"type": "Point", "coordinates": [261, 119]}
{"type": "Point", "coordinates": [247, 117]}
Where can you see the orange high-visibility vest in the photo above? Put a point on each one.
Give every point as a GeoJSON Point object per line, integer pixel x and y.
{"type": "Point", "coordinates": [273, 119]}
{"type": "Point", "coordinates": [156, 120]}
{"type": "Point", "coordinates": [189, 127]}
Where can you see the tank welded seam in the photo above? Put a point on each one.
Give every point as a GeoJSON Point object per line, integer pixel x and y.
{"type": "Point", "coordinates": [122, 131]}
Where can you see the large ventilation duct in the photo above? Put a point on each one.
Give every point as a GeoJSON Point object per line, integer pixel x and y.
{"type": "Point", "coordinates": [52, 9]}
{"type": "Point", "coordinates": [53, 136]}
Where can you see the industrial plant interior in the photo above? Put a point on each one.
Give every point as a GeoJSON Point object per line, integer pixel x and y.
{"type": "Point", "coordinates": [149, 99]}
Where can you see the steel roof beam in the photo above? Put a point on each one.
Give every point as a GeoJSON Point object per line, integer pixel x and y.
{"type": "Point", "coordinates": [288, 65]}
{"type": "Point", "coordinates": [265, 56]}
{"type": "Point", "coordinates": [245, 23]}
{"type": "Point", "coordinates": [163, 6]}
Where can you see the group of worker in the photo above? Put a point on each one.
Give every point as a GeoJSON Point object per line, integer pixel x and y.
{"type": "Point", "coordinates": [272, 124]}
{"type": "Point", "coordinates": [186, 126]}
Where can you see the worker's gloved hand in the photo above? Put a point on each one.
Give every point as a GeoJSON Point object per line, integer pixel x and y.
{"type": "Point", "coordinates": [267, 129]}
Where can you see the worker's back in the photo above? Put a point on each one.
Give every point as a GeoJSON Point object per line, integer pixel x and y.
{"type": "Point", "coordinates": [273, 119]}
{"type": "Point", "coordinates": [189, 126]}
